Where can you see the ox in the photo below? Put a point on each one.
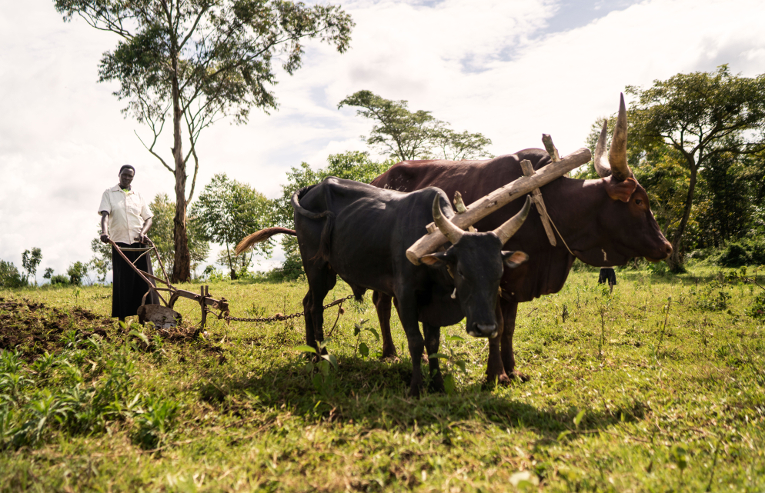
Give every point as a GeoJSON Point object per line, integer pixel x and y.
{"type": "Point", "coordinates": [361, 233]}
{"type": "Point", "coordinates": [604, 222]}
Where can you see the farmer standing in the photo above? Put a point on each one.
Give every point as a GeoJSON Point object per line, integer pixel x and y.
{"type": "Point", "coordinates": [125, 219]}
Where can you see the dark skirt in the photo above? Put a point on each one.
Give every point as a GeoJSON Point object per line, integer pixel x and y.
{"type": "Point", "coordinates": [607, 275]}
{"type": "Point", "coordinates": [127, 286]}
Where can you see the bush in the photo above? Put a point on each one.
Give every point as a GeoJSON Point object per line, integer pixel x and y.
{"type": "Point", "coordinates": [76, 272]}
{"type": "Point", "coordinates": [10, 277]}
{"type": "Point", "coordinates": [59, 279]}
{"type": "Point", "coordinates": [744, 252]}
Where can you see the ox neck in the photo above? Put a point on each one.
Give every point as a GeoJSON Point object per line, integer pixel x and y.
{"type": "Point", "coordinates": [575, 210]}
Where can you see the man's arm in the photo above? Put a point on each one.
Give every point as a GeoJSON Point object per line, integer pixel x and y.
{"type": "Point", "coordinates": [146, 226]}
{"type": "Point", "coordinates": [105, 226]}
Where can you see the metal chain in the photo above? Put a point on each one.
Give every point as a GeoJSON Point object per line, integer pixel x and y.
{"type": "Point", "coordinates": [278, 317]}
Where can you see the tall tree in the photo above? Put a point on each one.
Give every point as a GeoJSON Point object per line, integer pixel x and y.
{"type": "Point", "coordinates": [161, 233]}
{"type": "Point", "coordinates": [404, 135]}
{"type": "Point", "coordinates": [227, 211]}
{"type": "Point", "coordinates": [196, 61]}
{"type": "Point", "coordinates": [30, 260]}
{"type": "Point", "coordinates": [699, 115]}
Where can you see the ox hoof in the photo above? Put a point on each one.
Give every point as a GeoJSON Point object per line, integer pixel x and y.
{"type": "Point", "coordinates": [390, 358]}
{"type": "Point", "coordinates": [498, 380]}
{"type": "Point", "coordinates": [519, 377]}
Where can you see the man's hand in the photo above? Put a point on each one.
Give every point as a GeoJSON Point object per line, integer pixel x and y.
{"type": "Point", "coordinates": [142, 238]}
{"type": "Point", "coordinates": [105, 238]}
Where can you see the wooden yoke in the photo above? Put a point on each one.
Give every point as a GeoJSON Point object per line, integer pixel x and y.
{"type": "Point", "coordinates": [497, 199]}
{"type": "Point", "coordinates": [536, 198]}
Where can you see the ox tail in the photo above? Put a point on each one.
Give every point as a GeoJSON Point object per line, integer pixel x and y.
{"type": "Point", "coordinates": [326, 233]}
{"type": "Point", "coordinates": [261, 236]}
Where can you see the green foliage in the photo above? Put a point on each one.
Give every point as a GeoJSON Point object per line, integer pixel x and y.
{"type": "Point", "coordinates": [30, 260]}
{"type": "Point", "coordinates": [702, 122]}
{"type": "Point", "coordinates": [744, 252]}
{"type": "Point", "coordinates": [10, 277]}
{"type": "Point", "coordinates": [404, 135]}
{"type": "Point", "coordinates": [101, 261]}
{"type": "Point", "coordinates": [227, 211]}
{"type": "Point", "coordinates": [48, 273]}
{"type": "Point", "coordinates": [161, 234]}
{"type": "Point", "coordinates": [59, 279]}
{"type": "Point", "coordinates": [757, 308]}
{"type": "Point", "coordinates": [77, 271]}
{"type": "Point", "coordinates": [195, 62]}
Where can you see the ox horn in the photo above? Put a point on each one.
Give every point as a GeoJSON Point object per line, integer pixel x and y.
{"type": "Point", "coordinates": [452, 232]}
{"type": "Point", "coordinates": [616, 163]}
{"type": "Point", "coordinates": [512, 225]}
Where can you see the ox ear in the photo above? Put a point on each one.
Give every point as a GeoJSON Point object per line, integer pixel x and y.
{"type": "Point", "coordinates": [514, 259]}
{"type": "Point", "coordinates": [620, 190]}
{"type": "Point", "coordinates": [434, 258]}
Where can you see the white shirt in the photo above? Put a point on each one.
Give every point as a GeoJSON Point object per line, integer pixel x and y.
{"type": "Point", "coordinates": [127, 213]}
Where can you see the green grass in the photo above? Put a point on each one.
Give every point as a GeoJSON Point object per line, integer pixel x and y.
{"type": "Point", "coordinates": [623, 397]}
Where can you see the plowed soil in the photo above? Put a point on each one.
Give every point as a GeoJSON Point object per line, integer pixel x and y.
{"type": "Point", "coordinates": [34, 328]}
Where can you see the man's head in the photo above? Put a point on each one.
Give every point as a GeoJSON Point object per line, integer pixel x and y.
{"type": "Point", "coordinates": [126, 174]}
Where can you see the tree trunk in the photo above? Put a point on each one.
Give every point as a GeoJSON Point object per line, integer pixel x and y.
{"type": "Point", "coordinates": [182, 261]}
{"type": "Point", "coordinates": [675, 260]}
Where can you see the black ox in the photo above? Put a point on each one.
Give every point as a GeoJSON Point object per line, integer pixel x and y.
{"type": "Point", "coordinates": [604, 222]}
{"type": "Point", "coordinates": [361, 233]}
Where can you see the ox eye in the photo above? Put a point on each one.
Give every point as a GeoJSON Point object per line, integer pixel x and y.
{"type": "Point", "coordinates": [638, 201]}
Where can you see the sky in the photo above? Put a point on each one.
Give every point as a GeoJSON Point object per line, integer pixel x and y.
{"type": "Point", "coordinates": [511, 70]}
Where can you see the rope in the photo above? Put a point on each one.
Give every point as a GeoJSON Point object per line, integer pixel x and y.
{"type": "Point", "coordinates": [278, 317]}
{"type": "Point", "coordinates": [556, 230]}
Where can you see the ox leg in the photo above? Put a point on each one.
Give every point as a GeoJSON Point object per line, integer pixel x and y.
{"type": "Point", "coordinates": [320, 283]}
{"type": "Point", "coordinates": [382, 305]}
{"type": "Point", "coordinates": [509, 312]}
{"type": "Point", "coordinates": [310, 339]}
{"type": "Point", "coordinates": [432, 342]}
{"type": "Point", "coordinates": [495, 369]}
{"type": "Point", "coordinates": [407, 312]}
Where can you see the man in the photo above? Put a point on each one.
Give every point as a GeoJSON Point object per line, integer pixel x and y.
{"type": "Point", "coordinates": [125, 219]}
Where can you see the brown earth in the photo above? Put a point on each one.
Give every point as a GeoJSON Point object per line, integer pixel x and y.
{"type": "Point", "coordinates": [34, 328]}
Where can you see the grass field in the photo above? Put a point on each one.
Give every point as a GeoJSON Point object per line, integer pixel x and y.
{"type": "Point", "coordinates": [624, 395]}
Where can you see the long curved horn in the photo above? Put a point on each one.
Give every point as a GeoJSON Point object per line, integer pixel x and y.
{"type": "Point", "coordinates": [601, 162]}
{"type": "Point", "coordinates": [509, 227]}
{"type": "Point", "coordinates": [616, 163]}
{"type": "Point", "coordinates": [452, 232]}
{"type": "Point", "coordinates": [617, 155]}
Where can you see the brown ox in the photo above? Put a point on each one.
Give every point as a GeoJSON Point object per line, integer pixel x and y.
{"type": "Point", "coordinates": [604, 222]}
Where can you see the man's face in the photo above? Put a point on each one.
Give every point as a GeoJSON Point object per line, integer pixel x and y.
{"type": "Point", "coordinates": [126, 177]}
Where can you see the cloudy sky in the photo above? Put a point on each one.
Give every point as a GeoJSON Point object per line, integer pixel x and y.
{"type": "Point", "coordinates": [511, 70]}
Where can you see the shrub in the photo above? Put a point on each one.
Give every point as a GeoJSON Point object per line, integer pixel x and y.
{"type": "Point", "coordinates": [10, 277]}
{"type": "Point", "coordinates": [744, 252]}
{"type": "Point", "coordinates": [76, 272]}
{"type": "Point", "coordinates": [59, 279]}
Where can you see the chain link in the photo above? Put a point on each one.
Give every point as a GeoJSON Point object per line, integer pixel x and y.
{"type": "Point", "coordinates": [277, 317]}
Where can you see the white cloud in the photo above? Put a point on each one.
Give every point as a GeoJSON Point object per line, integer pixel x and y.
{"type": "Point", "coordinates": [491, 66]}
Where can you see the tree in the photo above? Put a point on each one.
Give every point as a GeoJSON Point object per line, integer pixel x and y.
{"type": "Point", "coordinates": [48, 273]}
{"type": "Point", "coordinates": [30, 260]}
{"type": "Point", "coordinates": [352, 165]}
{"type": "Point", "coordinates": [196, 61]}
{"type": "Point", "coordinates": [404, 135]}
{"type": "Point", "coordinates": [10, 277]}
{"type": "Point", "coordinates": [161, 234]}
{"type": "Point", "coordinates": [76, 272]}
{"type": "Point", "coordinates": [227, 211]}
{"type": "Point", "coordinates": [700, 116]}
{"type": "Point", "coordinates": [102, 257]}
